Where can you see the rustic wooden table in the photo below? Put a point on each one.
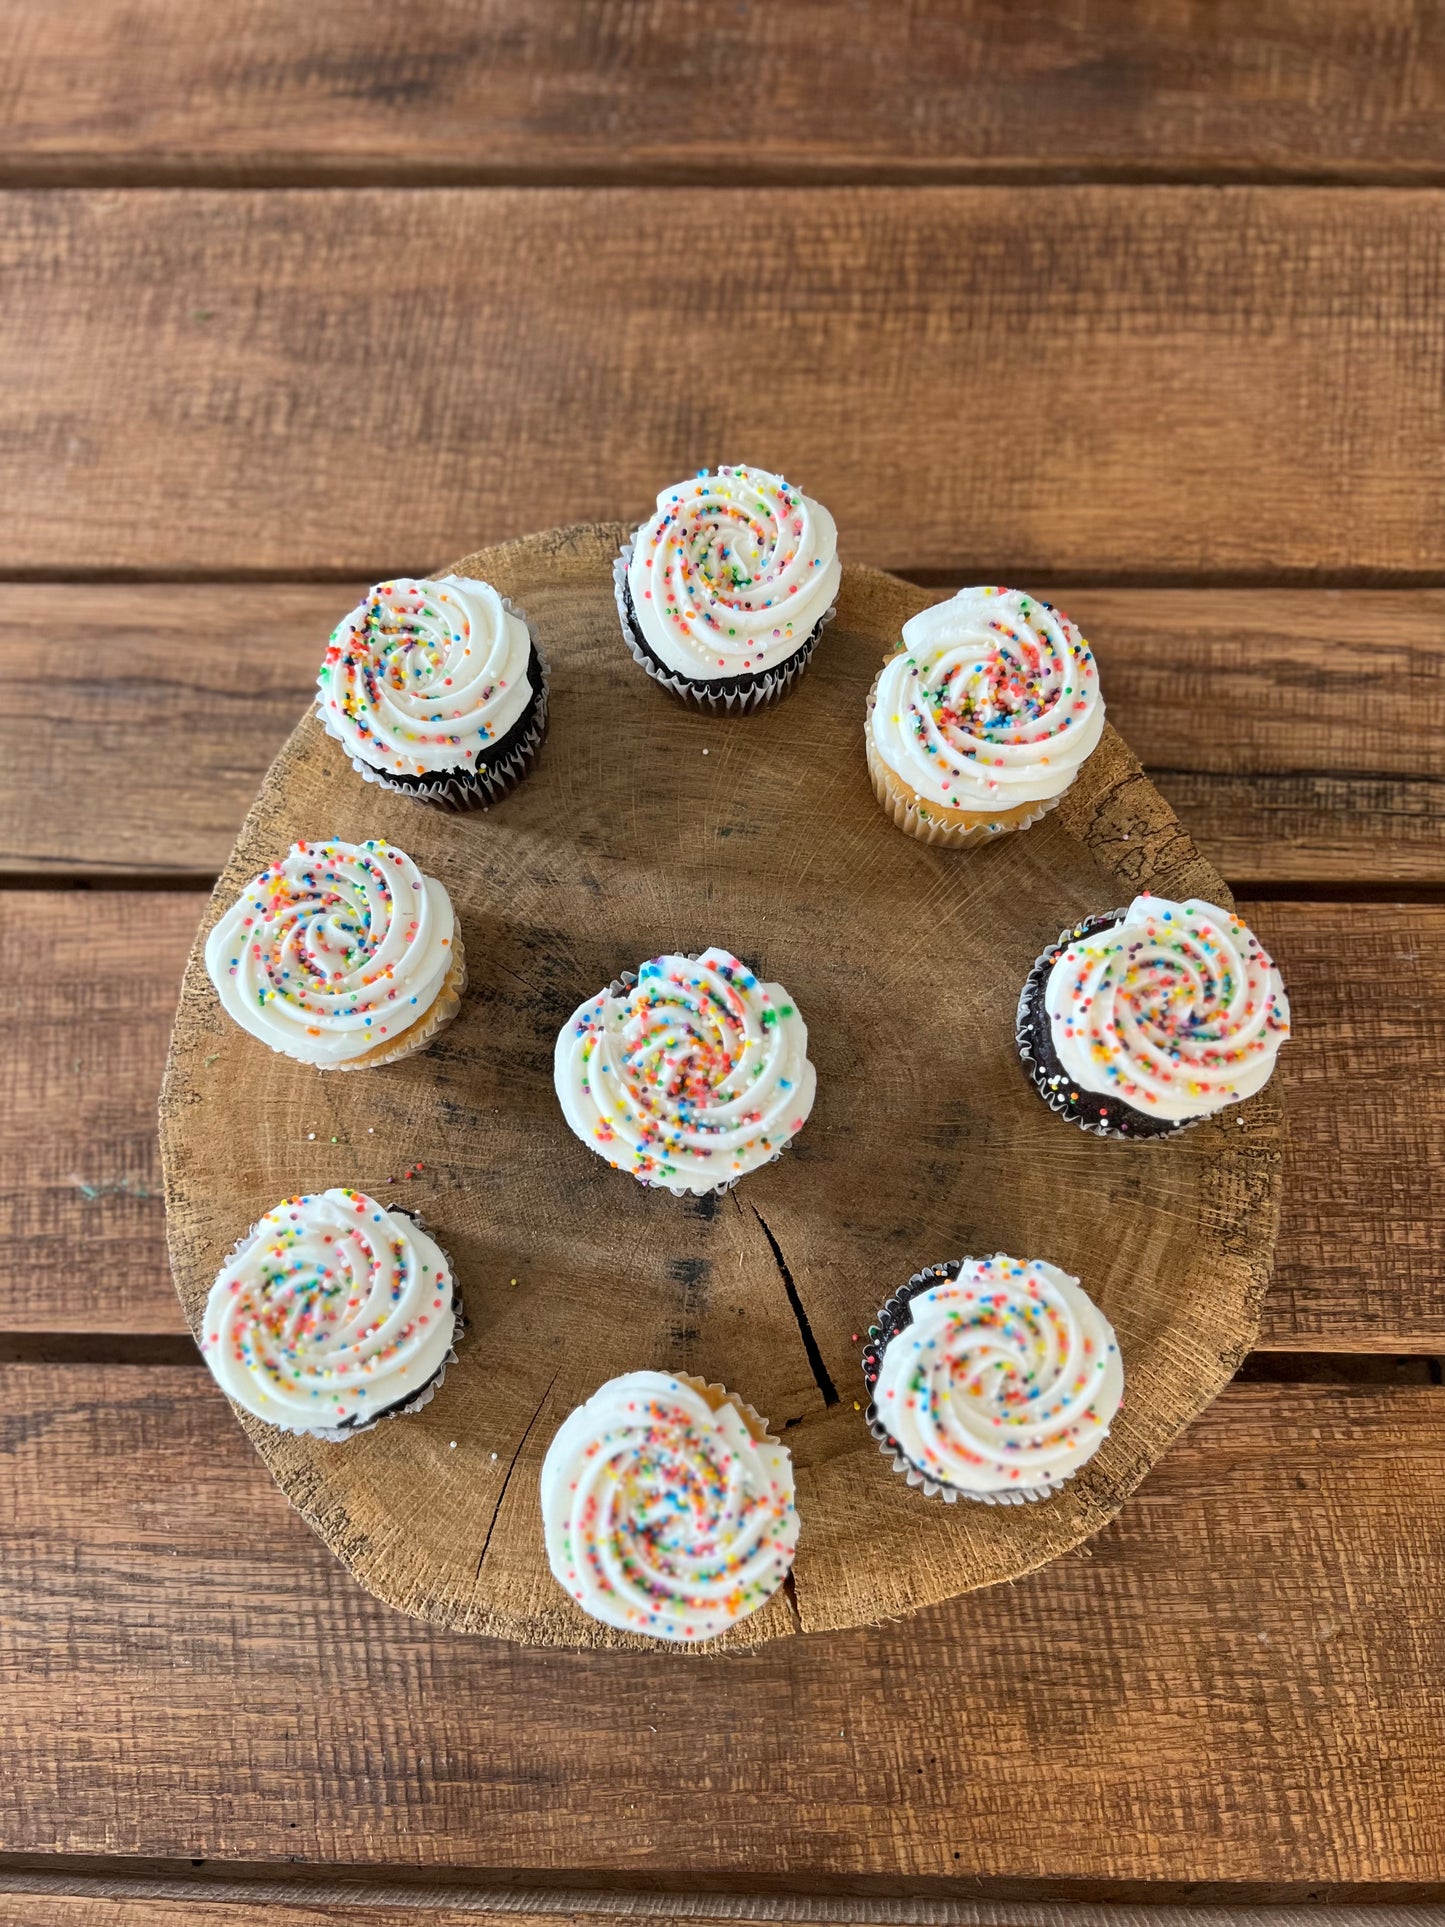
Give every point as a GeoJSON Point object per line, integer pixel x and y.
{"type": "Point", "coordinates": [1141, 303]}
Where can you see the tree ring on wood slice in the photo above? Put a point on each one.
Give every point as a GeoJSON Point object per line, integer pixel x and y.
{"type": "Point", "coordinates": [647, 826]}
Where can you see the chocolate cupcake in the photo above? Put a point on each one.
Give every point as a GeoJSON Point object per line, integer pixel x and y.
{"type": "Point", "coordinates": [992, 1379]}
{"type": "Point", "coordinates": [982, 718]}
{"type": "Point", "coordinates": [437, 690]}
{"type": "Point", "coordinates": [688, 1075]}
{"type": "Point", "coordinates": [341, 955]}
{"type": "Point", "coordinates": [1140, 1022]}
{"type": "Point", "coordinates": [667, 1507]}
{"type": "Point", "coordinates": [331, 1314]}
{"type": "Point", "coordinates": [724, 593]}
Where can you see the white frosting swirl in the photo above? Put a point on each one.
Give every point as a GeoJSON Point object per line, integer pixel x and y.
{"type": "Point", "coordinates": [331, 1312]}
{"type": "Point", "coordinates": [1177, 1010]}
{"type": "Point", "coordinates": [991, 702]}
{"type": "Point", "coordinates": [333, 951]}
{"type": "Point", "coordinates": [733, 573]}
{"type": "Point", "coordinates": [663, 1516]}
{"type": "Point", "coordinates": [425, 676]}
{"type": "Point", "coordinates": [689, 1078]}
{"type": "Point", "coordinates": [1007, 1379]}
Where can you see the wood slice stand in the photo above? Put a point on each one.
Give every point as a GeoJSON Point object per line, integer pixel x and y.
{"type": "Point", "coordinates": [648, 827]}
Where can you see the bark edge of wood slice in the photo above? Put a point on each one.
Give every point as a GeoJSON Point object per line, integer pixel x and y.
{"type": "Point", "coordinates": [645, 827]}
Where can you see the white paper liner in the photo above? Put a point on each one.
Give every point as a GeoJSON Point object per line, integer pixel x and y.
{"type": "Point", "coordinates": [615, 989]}
{"type": "Point", "coordinates": [912, 819]}
{"type": "Point", "coordinates": [1053, 1087]}
{"type": "Point", "coordinates": [475, 789]}
{"type": "Point", "coordinates": [338, 1434]}
{"type": "Point", "coordinates": [762, 1428]}
{"type": "Point", "coordinates": [775, 683]}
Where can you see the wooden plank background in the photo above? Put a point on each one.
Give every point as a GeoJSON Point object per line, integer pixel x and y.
{"type": "Point", "coordinates": [1137, 303]}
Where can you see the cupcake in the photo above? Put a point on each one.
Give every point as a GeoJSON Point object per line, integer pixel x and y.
{"type": "Point", "coordinates": [725, 591]}
{"type": "Point", "coordinates": [982, 718]}
{"type": "Point", "coordinates": [330, 1314]}
{"type": "Point", "coordinates": [436, 689]}
{"type": "Point", "coordinates": [991, 1379]}
{"type": "Point", "coordinates": [1140, 1022]}
{"type": "Point", "coordinates": [341, 955]}
{"type": "Point", "coordinates": [689, 1074]}
{"type": "Point", "coordinates": [666, 1507]}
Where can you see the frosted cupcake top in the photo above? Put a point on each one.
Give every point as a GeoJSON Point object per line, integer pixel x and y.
{"type": "Point", "coordinates": [332, 950]}
{"type": "Point", "coordinates": [663, 1516]}
{"type": "Point", "coordinates": [1177, 1009]}
{"type": "Point", "coordinates": [331, 1311]}
{"type": "Point", "coordinates": [690, 1077]}
{"type": "Point", "coordinates": [992, 701]}
{"type": "Point", "coordinates": [424, 677]}
{"type": "Point", "coordinates": [1007, 1378]}
{"type": "Point", "coordinates": [733, 573]}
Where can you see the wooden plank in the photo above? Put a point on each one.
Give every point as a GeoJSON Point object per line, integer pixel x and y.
{"type": "Point", "coordinates": [1298, 732]}
{"type": "Point", "coordinates": [1092, 380]}
{"type": "Point", "coordinates": [1248, 1660]}
{"type": "Point", "coordinates": [347, 88]}
{"type": "Point", "coordinates": [1358, 1265]}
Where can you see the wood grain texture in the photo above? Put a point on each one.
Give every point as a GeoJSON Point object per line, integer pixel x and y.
{"type": "Point", "coordinates": [1297, 732]}
{"type": "Point", "coordinates": [1067, 380]}
{"type": "Point", "coordinates": [1243, 1667]}
{"type": "Point", "coordinates": [671, 830]}
{"type": "Point", "coordinates": [353, 88]}
{"type": "Point", "coordinates": [1357, 1265]}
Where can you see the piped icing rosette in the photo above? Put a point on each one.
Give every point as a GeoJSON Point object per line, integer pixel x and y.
{"type": "Point", "coordinates": [666, 1508]}
{"type": "Point", "coordinates": [723, 593]}
{"type": "Point", "coordinates": [689, 1075]}
{"type": "Point", "coordinates": [981, 720]}
{"type": "Point", "coordinates": [436, 689]}
{"type": "Point", "coordinates": [992, 1379]}
{"type": "Point", "coordinates": [331, 1313]}
{"type": "Point", "coordinates": [1142, 1021]}
{"type": "Point", "coordinates": [341, 954]}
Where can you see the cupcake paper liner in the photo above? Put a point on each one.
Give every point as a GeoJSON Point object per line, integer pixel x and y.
{"type": "Point", "coordinates": [474, 789]}
{"type": "Point", "coordinates": [769, 687]}
{"type": "Point", "coordinates": [893, 1318]}
{"type": "Point", "coordinates": [1059, 1091]}
{"type": "Point", "coordinates": [913, 819]}
{"type": "Point", "coordinates": [338, 1434]}
{"type": "Point", "coordinates": [718, 1395]}
{"type": "Point", "coordinates": [445, 1006]}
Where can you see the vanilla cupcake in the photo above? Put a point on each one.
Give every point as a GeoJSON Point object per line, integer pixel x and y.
{"type": "Point", "coordinates": [1142, 1021]}
{"type": "Point", "coordinates": [983, 717]}
{"type": "Point", "coordinates": [667, 1509]}
{"type": "Point", "coordinates": [436, 689]}
{"type": "Point", "coordinates": [688, 1075]}
{"type": "Point", "coordinates": [724, 593]}
{"type": "Point", "coordinates": [330, 1314]}
{"type": "Point", "coordinates": [991, 1379]}
{"type": "Point", "coordinates": [341, 955]}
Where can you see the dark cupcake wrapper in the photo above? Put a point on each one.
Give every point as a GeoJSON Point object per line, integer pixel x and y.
{"type": "Point", "coordinates": [894, 1317]}
{"type": "Point", "coordinates": [740, 693]}
{"type": "Point", "coordinates": [1092, 1111]}
{"type": "Point", "coordinates": [499, 771]}
{"type": "Point", "coordinates": [414, 1401]}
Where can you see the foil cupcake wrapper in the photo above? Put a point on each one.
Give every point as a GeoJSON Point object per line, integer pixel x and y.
{"type": "Point", "coordinates": [1053, 1086]}
{"type": "Point", "coordinates": [913, 820]}
{"type": "Point", "coordinates": [774, 684]}
{"type": "Point", "coordinates": [468, 789]}
{"type": "Point", "coordinates": [447, 1004]}
{"type": "Point", "coordinates": [894, 1317]}
{"type": "Point", "coordinates": [615, 989]}
{"type": "Point", "coordinates": [339, 1434]}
